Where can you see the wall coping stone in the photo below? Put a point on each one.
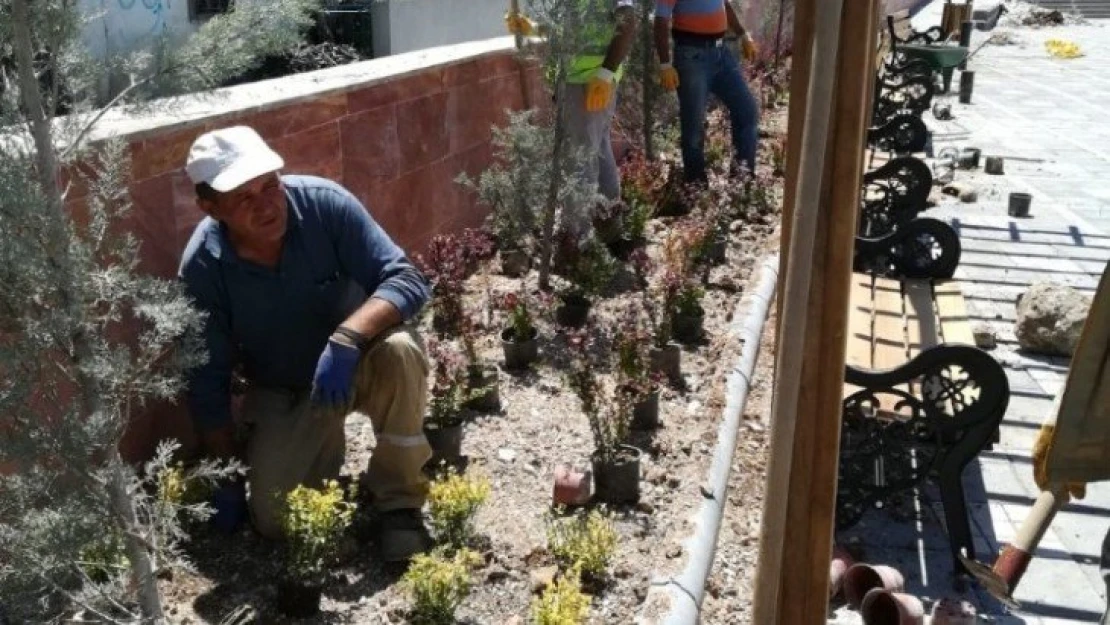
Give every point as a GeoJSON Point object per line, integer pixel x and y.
{"type": "Point", "coordinates": [183, 112]}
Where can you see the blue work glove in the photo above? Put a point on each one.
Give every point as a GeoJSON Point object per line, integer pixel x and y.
{"type": "Point", "coordinates": [230, 502]}
{"type": "Point", "coordinates": [331, 386]}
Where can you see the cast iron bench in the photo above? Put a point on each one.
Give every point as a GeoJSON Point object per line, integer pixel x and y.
{"type": "Point", "coordinates": [920, 400]}
{"type": "Point", "coordinates": [903, 91]}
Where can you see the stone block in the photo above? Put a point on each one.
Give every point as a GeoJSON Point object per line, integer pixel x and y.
{"type": "Point", "coordinates": [370, 148]}
{"type": "Point", "coordinates": [162, 153]}
{"type": "Point", "coordinates": [422, 131]}
{"type": "Point", "coordinates": [298, 117]}
{"type": "Point", "coordinates": [305, 151]}
{"type": "Point", "coordinates": [470, 113]}
{"type": "Point", "coordinates": [396, 91]}
{"type": "Point", "coordinates": [465, 73]}
{"type": "Point", "coordinates": [152, 223]}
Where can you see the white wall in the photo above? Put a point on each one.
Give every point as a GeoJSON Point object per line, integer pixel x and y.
{"type": "Point", "coordinates": [408, 25]}
{"type": "Point", "coordinates": [120, 25]}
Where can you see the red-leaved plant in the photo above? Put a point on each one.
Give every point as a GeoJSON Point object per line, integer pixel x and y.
{"type": "Point", "coordinates": [522, 309]}
{"type": "Point", "coordinates": [447, 262]}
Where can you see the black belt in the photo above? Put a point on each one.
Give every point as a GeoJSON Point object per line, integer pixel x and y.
{"type": "Point", "coordinates": [682, 38]}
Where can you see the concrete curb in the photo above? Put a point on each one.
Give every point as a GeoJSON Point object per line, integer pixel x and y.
{"type": "Point", "coordinates": [686, 591]}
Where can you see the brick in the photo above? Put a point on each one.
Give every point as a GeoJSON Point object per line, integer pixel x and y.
{"type": "Point", "coordinates": [396, 91]}
{"type": "Point", "coordinates": [422, 131]}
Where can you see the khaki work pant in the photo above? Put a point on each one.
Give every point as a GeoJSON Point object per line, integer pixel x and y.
{"type": "Point", "coordinates": [291, 443]}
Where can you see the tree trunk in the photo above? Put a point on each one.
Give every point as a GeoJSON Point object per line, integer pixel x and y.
{"type": "Point", "coordinates": [57, 239]}
{"type": "Point", "coordinates": [558, 155]}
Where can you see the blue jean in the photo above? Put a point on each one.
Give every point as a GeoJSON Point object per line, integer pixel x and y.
{"type": "Point", "coordinates": [702, 71]}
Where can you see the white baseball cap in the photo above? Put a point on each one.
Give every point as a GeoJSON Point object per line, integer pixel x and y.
{"type": "Point", "coordinates": [229, 157]}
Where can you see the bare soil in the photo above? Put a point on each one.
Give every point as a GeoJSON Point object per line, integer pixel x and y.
{"type": "Point", "coordinates": [540, 426]}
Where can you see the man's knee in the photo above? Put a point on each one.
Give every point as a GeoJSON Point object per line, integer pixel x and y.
{"type": "Point", "coordinates": [400, 353]}
{"type": "Point", "coordinates": [265, 510]}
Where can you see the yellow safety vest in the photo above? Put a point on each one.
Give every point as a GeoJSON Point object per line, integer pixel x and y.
{"type": "Point", "coordinates": [598, 36]}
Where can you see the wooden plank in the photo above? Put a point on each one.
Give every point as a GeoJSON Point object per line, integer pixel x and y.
{"type": "Point", "coordinates": [796, 544]}
{"type": "Point", "coordinates": [890, 325]}
{"type": "Point", "coordinates": [952, 310]}
{"type": "Point", "coordinates": [922, 329]}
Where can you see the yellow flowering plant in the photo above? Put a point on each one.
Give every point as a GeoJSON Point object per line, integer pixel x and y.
{"type": "Point", "coordinates": [452, 503]}
{"type": "Point", "coordinates": [314, 520]}
{"type": "Point", "coordinates": [438, 585]}
{"type": "Point", "coordinates": [562, 602]}
{"type": "Point", "coordinates": [585, 542]}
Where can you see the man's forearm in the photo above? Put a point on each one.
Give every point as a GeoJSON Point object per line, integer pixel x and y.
{"type": "Point", "coordinates": [663, 39]}
{"type": "Point", "coordinates": [622, 41]}
{"type": "Point", "coordinates": [375, 316]}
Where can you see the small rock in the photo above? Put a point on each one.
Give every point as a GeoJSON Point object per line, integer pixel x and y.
{"type": "Point", "coordinates": [985, 336]}
{"type": "Point", "coordinates": [640, 592]}
{"type": "Point", "coordinates": [506, 455]}
{"type": "Point", "coordinates": [543, 577]}
{"type": "Point", "coordinates": [687, 448]}
{"type": "Point", "coordinates": [364, 600]}
{"type": "Point", "coordinates": [706, 491]}
{"type": "Point", "coordinates": [962, 190]}
{"type": "Point", "coordinates": [674, 552]}
{"type": "Point", "coordinates": [674, 482]}
{"type": "Point", "coordinates": [645, 507]}
{"type": "Point", "coordinates": [497, 573]}
{"type": "Point", "coordinates": [514, 620]}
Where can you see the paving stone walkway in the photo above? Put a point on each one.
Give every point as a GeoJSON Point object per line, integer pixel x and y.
{"type": "Point", "coordinates": [1049, 118]}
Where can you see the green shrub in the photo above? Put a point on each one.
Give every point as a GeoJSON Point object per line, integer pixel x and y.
{"type": "Point", "coordinates": [314, 522]}
{"type": "Point", "coordinates": [438, 585]}
{"type": "Point", "coordinates": [562, 602]}
{"type": "Point", "coordinates": [452, 503]}
{"type": "Point", "coordinates": [585, 542]}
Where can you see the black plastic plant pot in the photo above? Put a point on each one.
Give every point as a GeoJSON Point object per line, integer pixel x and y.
{"type": "Point", "coordinates": [485, 393]}
{"type": "Point", "coordinates": [519, 353]}
{"type": "Point", "coordinates": [715, 248]}
{"type": "Point", "coordinates": [298, 599]}
{"type": "Point", "coordinates": [609, 230]}
{"type": "Point", "coordinates": [667, 360]}
{"type": "Point", "coordinates": [445, 441]}
{"type": "Point", "coordinates": [617, 478]}
{"type": "Point", "coordinates": [688, 328]}
{"type": "Point", "coordinates": [645, 413]}
{"type": "Point", "coordinates": [515, 262]}
{"type": "Point", "coordinates": [1019, 204]}
{"type": "Point", "coordinates": [572, 313]}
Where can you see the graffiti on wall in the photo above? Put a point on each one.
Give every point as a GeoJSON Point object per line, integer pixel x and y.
{"type": "Point", "coordinates": [158, 10]}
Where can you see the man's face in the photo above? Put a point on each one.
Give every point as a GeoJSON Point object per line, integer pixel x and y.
{"type": "Point", "coordinates": [255, 211]}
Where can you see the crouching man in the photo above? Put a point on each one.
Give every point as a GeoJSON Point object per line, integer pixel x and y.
{"type": "Point", "coordinates": [307, 297]}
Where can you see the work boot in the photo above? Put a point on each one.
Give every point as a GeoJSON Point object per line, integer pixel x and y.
{"type": "Point", "coordinates": [401, 534]}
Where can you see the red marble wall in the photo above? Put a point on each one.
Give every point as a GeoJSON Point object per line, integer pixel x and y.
{"type": "Point", "coordinates": [398, 145]}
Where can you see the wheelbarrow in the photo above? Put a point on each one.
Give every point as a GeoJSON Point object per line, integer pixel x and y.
{"type": "Point", "coordinates": [941, 58]}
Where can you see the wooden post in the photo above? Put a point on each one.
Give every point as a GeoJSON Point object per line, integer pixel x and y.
{"type": "Point", "coordinates": [793, 576]}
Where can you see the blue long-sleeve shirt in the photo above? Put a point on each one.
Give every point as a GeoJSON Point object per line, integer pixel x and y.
{"type": "Point", "coordinates": [274, 322]}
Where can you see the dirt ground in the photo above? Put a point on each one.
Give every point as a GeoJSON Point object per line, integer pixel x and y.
{"type": "Point", "coordinates": [540, 426]}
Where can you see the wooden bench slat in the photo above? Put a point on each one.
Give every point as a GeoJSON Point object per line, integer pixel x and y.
{"type": "Point", "coordinates": [861, 327]}
{"type": "Point", "coordinates": [952, 310]}
{"type": "Point", "coordinates": [890, 335]}
{"type": "Point", "coordinates": [922, 330]}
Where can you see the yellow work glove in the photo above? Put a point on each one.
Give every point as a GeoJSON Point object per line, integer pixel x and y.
{"type": "Point", "coordinates": [668, 77]}
{"type": "Point", "coordinates": [749, 48]}
{"type": "Point", "coordinates": [599, 91]}
{"type": "Point", "coordinates": [1041, 447]}
{"type": "Point", "coordinates": [518, 24]}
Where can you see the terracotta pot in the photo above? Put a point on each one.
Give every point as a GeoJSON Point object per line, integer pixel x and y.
{"type": "Point", "coordinates": [841, 560]}
{"type": "Point", "coordinates": [882, 607]}
{"type": "Point", "coordinates": [445, 441]}
{"type": "Point", "coordinates": [573, 311]}
{"type": "Point", "coordinates": [519, 353]}
{"type": "Point", "coordinates": [617, 479]}
{"type": "Point", "coordinates": [485, 394]}
{"type": "Point", "coordinates": [667, 360]}
{"type": "Point", "coordinates": [515, 263]}
{"type": "Point", "coordinates": [298, 599]}
{"type": "Point", "coordinates": [952, 611]}
{"type": "Point", "coordinates": [861, 578]}
{"type": "Point", "coordinates": [572, 487]}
